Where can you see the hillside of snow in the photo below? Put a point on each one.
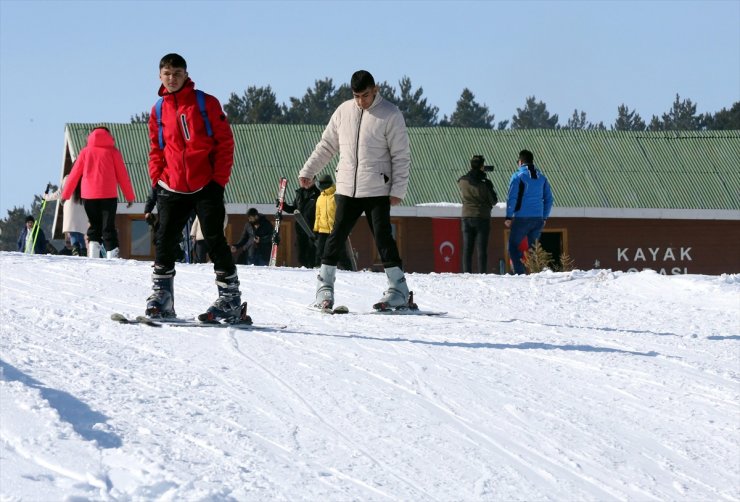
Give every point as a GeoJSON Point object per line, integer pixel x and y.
{"type": "Point", "coordinates": [587, 385]}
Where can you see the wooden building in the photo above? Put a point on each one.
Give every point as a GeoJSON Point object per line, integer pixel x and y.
{"type": "Point", "coordinates": [667, 201]}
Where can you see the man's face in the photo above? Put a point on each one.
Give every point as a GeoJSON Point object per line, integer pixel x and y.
{"type": "Point", "coordinates": [29, 225]}
{"type": "Point", "coordinates": [365, 98]}
{"type": "Point", "coordinates": [173, 78]}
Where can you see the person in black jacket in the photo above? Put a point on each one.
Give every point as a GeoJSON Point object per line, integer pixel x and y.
{"type": "Point", "coordinates": [26, 238]}
{"type": "Point", "coordinates": [305, 202]}
{"type": "Point", "coordinates": [478, 198]}
{"type": "Point", "coordinates": [260, 234]}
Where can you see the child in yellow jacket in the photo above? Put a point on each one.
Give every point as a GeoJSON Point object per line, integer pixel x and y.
{"type": "Point", "coordinates": [326, 209]}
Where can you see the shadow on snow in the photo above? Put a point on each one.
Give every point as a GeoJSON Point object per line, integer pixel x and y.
{"type": "Point", "coordinates": [70, 409]}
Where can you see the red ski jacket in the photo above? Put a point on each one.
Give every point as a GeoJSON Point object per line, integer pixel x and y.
{"type": "Point", "coordinates": [101, 167]}
{"type": "Point", "coordinates": [190, 158]}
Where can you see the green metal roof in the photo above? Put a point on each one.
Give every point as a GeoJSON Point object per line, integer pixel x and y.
{"type": "Point", "coordinates": [595, 169]}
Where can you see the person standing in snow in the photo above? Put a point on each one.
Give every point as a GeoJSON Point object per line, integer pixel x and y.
{"type": "Point", "coordinates": [478, 198]}
{"type": "Point", "coordinates": [25, 239]}
{"type": "Point", "coordinates": [101, 170]}
{"type": "Point", "coordinates": [191, 165]}
{"type": "Point", "coordinates": [326, 210]}
{"type": "Point", "coordinates": [256, 240]}
{"type": "Point", "coordinates": [74, 218]}
{"type": "Point", "coordinates": [372, 174]}
{"type": "Point", "coordinates": [305, 202]}
{"type": "Point", "coordinates": [528, 206]}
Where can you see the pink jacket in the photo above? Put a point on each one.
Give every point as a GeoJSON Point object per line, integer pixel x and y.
{"type": "Point", "coordinates": [101, 167]}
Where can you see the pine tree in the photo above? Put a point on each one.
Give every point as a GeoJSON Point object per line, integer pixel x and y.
{"type": "Point", "coordinates": [258, 105]}
{"type": "Point", "coordinates": [318, 104]}
{"type": "Point", "coordinates": [681, 117]}
{"type": "Point", "coordinates": [628, 120]}
{"type": "Point", "coordinates": [577, 121]}
{"type": "Point", "coordinates": [142, 118]}
{"type": "Point", "coordinates": [469, 113]}
{"type": "Point", "coordinates": [723, 120]}
{"type": "Point", "coordinates": [415, 109]}
{"type": "Point", "coordinates": [12, 226]}
{"type": "Point", "coordinates": [534, 115]}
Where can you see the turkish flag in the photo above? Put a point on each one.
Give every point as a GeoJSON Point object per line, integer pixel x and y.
{"type": "Point", "coordinates": [447, 246]}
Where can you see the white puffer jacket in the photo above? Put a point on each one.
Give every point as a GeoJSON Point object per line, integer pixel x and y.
{"type": "Point", "coordinates": [373, 147]}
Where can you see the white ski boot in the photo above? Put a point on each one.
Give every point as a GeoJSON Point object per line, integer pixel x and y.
{"type": "Point", "coordinates": [396, 297]}
{"type": "Point", "coordinates": [93, 250]}
{"type": "Point", "coordinates": [325, 287]}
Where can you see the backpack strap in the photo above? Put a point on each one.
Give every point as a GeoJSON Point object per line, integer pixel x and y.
{"type": "Point", "coordinates": [200, 96]}
{"type": "Point", "coordinates": [158, 111]}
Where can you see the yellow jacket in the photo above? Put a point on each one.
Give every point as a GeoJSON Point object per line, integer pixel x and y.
{"type": "Point", "coordinates": [326, 208]}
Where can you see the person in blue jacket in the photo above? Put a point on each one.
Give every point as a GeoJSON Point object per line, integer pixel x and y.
{"type": "Point", "coordinates": [528, 206]}
{"type": "Point", "coordinates": [25, 240]}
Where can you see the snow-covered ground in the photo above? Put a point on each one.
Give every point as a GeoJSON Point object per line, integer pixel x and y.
{"type": "Point", "coordinates": [589, 385]}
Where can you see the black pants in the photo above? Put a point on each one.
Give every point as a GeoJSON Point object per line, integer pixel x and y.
{"type": "Point", "coordinates": [174, 211]}
{"type": "Point", "coordinates": [101, 213]}
{"type": "Point", "coordinates": [475, 235]}
{"type": "Point", "coordinates": [343, 262]}
{"type": "Point", "coordinates": [306, 250]}
{"type": "Point", "coordinates": [378, 213]}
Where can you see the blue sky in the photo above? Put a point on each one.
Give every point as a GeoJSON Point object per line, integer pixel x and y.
{"type": "Point", "coordinates": [97, 61]}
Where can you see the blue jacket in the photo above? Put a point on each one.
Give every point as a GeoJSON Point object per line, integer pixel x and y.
{"type": "Point", "coordinates": [40, 247]}
{"type": "Point", "coordinates": [530, 195]}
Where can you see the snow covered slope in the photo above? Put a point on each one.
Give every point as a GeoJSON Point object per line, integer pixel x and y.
{"type": "Point", "coordinates": [589, 385]}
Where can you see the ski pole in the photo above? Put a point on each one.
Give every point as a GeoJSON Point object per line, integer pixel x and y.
{"type": "Point", "coordinates": [37, 223]}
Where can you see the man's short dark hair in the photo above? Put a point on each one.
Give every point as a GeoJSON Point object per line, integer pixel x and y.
{"type": "Point", "coordinates": [30, 218]}
{"type": "Point", "coordinates": [361, 80]}
{"type": "Point", "coordinates": [252, 211]}
{"type": "Point", "coordinates": [173, 61]}
{"type": "Point", "coordinates": [526, 157]}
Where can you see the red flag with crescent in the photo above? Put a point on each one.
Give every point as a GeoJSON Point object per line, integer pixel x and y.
{"type": "Point", "coordinates": [447, 246]}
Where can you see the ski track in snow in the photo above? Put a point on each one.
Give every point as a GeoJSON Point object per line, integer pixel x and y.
{"type": "Point", "coordinates": [587, 385]}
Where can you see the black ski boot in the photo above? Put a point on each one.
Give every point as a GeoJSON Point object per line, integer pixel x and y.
{"type": "Point", "coordinates": [161, 303]}
{"type": "Point", "coordinates": [228, 305]}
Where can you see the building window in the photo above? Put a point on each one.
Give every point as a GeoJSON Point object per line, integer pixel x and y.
{"type": "Point", "coordinates": [141, 240]}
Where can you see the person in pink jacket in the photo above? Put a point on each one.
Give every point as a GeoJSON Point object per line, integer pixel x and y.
{"type": "Point", "coordinates": [100, 170]}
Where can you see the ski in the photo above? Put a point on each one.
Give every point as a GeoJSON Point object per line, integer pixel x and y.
{"type": "Point", "coordinates": [278, 218]}
{"type": "Point", "coordinates": [431, 313]}
{"type": "Point", "coordinates": [411, 309]}
{"type": "Point", "coordinates": [303, 224]}
{"type": "Point", "coordinates": [341, 309]}
{"type": "Point", "coordinates": [192, 323]}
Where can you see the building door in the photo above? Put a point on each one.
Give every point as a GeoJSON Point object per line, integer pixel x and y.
{"type": "Point", "coordinates": [552, 240]}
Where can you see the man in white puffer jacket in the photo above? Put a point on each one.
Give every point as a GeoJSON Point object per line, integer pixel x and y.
{"type": "Point", "coordinates": [370, 135]}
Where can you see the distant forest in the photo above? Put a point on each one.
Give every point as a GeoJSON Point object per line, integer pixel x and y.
{"type": "Point", "coordinates": [258, 105]}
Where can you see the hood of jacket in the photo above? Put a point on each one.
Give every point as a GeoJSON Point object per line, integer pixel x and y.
{"type": "Point", "coordinates": [100, 138]}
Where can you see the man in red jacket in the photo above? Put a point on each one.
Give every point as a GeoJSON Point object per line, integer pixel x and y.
{"type": "Point", "coordinates": [190, 159]}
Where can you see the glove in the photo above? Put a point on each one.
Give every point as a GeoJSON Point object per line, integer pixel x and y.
{"type": "Point", "coordinates": [149, 218]}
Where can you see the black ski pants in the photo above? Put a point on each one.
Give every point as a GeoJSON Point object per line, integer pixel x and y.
{"type": "Point", "coordinates": [475, 236]}
{"type": "Point", "coordinates": [174, 211]}
{"type": "Point", "coordinates": [378, 214]}
{"type": "Point", "coordinates": [101, 213]}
